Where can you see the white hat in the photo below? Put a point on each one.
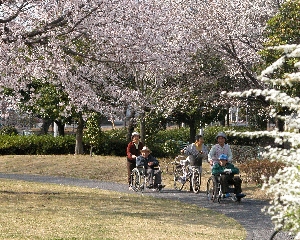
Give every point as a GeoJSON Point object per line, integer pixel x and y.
{"type": "Point", "coordinates": [134, 134]}
{"type": "Point", "coordinates": [221, 134]}
{"type": "Point", "coordinates": [145, 149]}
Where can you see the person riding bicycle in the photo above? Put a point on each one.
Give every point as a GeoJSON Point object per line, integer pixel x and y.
{"type": "Point", "coordinates": [226, 170]}
{"type": "Point", "coordinates": [150, 164]}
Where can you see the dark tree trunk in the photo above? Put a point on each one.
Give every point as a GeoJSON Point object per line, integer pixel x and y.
{"type": "Point", "coordinates": [131, 125]}
{"type": "Point", "coordinates": [60, 128]}
{"type": "Point", "coordinates": [142, 128]}
{"type": "Point", "coordinates": [79, 136]}
{"type": "Point", "coordinates": [45, 126]}
{"type": "Point", "coordinates": [192, 126]}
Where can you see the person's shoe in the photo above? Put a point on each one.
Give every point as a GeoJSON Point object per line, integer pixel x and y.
{"type": "Point", "coordinates": [226, 195]}
{"type": "Point", "coordinates": [150, 186]}
{"type": "Point", "coordinates": [130, 188]}
{"type": "Point", "coordinates": [160, 187]}
{"type": "Point", "coordinates": [240, 195]}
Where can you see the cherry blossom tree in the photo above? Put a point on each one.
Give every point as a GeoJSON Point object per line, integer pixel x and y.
{"type": "Point", "coordinates": [74, 44]}
{"type": "Point", "coordinates": [79, 45]}
{"type": "Point", "coordinates": [235, 29]}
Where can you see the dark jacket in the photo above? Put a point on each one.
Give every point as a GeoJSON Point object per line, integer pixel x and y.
{"type": "Point", "coordinates": [218, 169]}
{"type": "Point", "coordinates": [141, 161]}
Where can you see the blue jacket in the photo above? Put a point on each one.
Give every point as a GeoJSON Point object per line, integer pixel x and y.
{"type": "Point", "coordinates": [141, 161]}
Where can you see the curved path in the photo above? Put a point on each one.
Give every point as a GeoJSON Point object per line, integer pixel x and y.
{"type": "Point", "coordinates": [247, 212]}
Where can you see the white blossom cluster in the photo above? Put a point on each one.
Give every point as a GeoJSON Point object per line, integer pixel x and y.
{"type": "Point", "coordinates": [45, 39]}
{"type": "Point", "coordinates": [285, 185]}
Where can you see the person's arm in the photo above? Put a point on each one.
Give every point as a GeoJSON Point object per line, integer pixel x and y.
{"type": "Point", "coordinates": [217, 169]}
{"type": "Point", "coordinates": [141, 161]}
{"type": "Point", "coordinates": [204, 150]}
{"type": "Point", "coordinates": [211, 154]}
{"type": "Point", "coordinates": [229, 155]}
{"type": "Point", "coordinates": [130, 156]}
{"type": "Point", "coordinates": [186, 151]}
{"type": "Point", "coordinates": [234, 169]}
{"type": "Point", "coordinates": [153, 161]}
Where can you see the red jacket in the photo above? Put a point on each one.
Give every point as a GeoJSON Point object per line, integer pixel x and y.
{"type": "Point", "coordinates": [131, 150]}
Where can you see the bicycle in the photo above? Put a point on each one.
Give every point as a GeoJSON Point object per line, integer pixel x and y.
{"type": "Point", "coordinates": [183, 172]}
{"type": "Point", "coordinates": [280, 234]}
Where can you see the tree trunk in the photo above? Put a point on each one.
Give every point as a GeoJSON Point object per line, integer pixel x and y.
{"type": "Point", "coordinates": [131, 125]}
{"type": "Point", "coordinates": [142, 128]}
{"type": "Point", "coordinates": [192, 131]}
{"type": "Point", "coordinates": [280, 124]}
{"type": "Point", "coordinates": [61, 128]}
{"type": "Point", "coordinates": [91, 151]}
{"type": "Point", "coordinates": [79, 136]}
{"type": "Point", "coordinates": [45, 126]}
{"type": "Point", "coordinates": [227, 118]}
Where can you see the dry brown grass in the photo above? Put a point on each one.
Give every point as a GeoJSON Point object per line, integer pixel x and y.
{"type": "Point", "coordinates": [49, 211]}
{"type": "Point", "coordinates": [99, 167]}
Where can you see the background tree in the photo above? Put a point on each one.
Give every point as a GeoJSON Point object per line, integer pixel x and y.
{"type": "Point", "coordinates": [47, 102]}
{"type": "Point", "coordinates": [93, 131]}
{"type": "Point", "coordinates": [47, 43]}
{"type": "Point", "coordinates": [282, 29]}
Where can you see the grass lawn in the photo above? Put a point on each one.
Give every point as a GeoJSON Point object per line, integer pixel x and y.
{"type": "Point", "coordinates": [49, 211]}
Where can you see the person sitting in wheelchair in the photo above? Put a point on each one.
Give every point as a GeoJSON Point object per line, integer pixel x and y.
{"type": "Point", "coordinates": [226, 170]}
{"type": "Point", "coordinates": [151, 165]}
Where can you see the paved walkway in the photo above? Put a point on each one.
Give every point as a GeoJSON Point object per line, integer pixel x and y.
{"type": "Point", "coordinates": [247, 212]}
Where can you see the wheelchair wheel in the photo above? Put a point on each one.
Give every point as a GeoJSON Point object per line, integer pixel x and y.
{"type": "Point", "coordinates": [196, 180]}
{"type": "Point", "coordinates": [177, 173]}
{"type": "Point", "coordinates": [136, 180]}
{"type": "Point", "coordinates": [212, 189]}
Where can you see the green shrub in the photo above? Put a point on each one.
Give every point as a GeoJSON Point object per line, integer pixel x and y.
{"type": "Point", "coordinates": [8, 130]}
{"type": "Point", "coordinates": [33, 144]}
{"type": "Point", "coordinates": [168, 143]}
{"type": "Point", "coordinates": [112, 142]}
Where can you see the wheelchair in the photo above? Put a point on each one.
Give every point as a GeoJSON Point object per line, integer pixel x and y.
{"type": "Point", "coordinates": [214, 190]}
{"type": "Point", "coordinates": [183, 172]}
{"type": "Point", "coordinates": [139, 180]}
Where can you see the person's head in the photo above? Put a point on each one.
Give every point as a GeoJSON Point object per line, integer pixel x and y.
{"type": "Point", "coordinates": [221, 138]}
{"type": "Point", "coordinates": [199, 139]}
{"type": "Point", "coordinates": [223, 159]}
{"type": "Point", "coordinates": [145, 151]}
{"type": "Point", "coordinates": [135, 136]}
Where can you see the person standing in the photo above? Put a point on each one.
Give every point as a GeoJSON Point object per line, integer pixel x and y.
{"type": "Point", "coordinates": [133, 150]}
{"type": "Point", "coordinates": [220, 148]}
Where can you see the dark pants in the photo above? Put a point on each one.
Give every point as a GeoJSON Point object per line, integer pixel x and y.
{"type": "Point", "coordinates": [156, 173]}
{"type": "Point", "coordinates": [130, 166]}
{"type": "Point", "coordinates": [230, 179]}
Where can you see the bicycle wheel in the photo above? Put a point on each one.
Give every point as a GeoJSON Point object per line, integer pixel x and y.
{"type": "Point", "coordinates": [136, 180]}
{"type": "Point", "coordinates": [196, 180]}
{"type": "Point", "coordinates": [177, 173]}
{"type": "Point", "coordinates": [278, 234]}
{"type": "Point", "coordinates": [212, 189]}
